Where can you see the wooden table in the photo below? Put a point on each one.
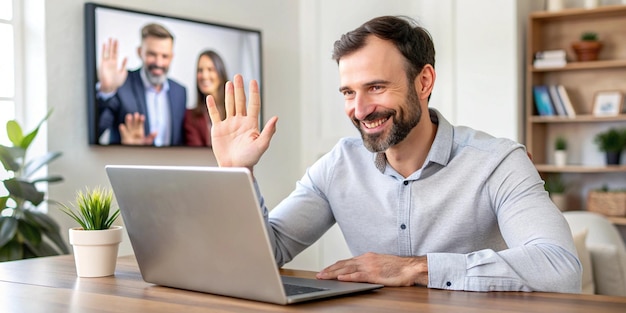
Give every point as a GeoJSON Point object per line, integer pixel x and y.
{"type": "Point", "coordinates": [50, 284]}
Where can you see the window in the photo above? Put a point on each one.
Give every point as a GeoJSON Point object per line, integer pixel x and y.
{"type": "Point", "coordinates": [7, 66]}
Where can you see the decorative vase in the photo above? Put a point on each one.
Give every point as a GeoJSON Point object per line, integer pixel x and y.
{"type": "Point", "coordinates": [560, 157]}
{"type": "Point", "coordinates": [560, 200]}
{"type": "Point", "coordinates": [613, 157]}
{"type": "Point", "coordinates": [587, 50]}
{"type": "Point", "coordinates": [95, 251]}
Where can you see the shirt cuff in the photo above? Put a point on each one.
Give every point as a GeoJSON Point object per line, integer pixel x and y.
{"type": "Point", "coordinates": [446, 271]}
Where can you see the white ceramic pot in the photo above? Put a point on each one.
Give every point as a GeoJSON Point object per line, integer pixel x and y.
{"type": "Point", "coordinates": [560, 157]}
{"type": "Point", "coordinates": [95, 251]}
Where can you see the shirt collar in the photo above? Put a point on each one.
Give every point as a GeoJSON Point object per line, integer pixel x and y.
{"type": "Point", "coordinates": [440, 150]}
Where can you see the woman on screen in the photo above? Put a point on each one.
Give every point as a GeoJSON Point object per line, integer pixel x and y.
{"type": "Point", "coordinates": [210, 80]}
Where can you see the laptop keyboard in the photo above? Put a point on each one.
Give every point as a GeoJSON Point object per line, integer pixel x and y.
{"type": "Point", "coordinates": [291, 290]}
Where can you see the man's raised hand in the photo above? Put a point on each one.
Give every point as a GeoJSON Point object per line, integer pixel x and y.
{"type": "Point", "coordinates": [237, 141]}
{"type": "Point", "coordinates": [110, 76]}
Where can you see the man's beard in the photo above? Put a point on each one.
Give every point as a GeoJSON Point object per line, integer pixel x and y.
{"type": "Point", "coordinates": [403, 122]}
{"type": "Point", "coordinates": [155, 80]}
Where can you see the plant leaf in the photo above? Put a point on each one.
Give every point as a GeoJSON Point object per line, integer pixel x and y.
{"type": "Point", "coordinates": [9, 157]}
{"type": "Point", "coordinates": [28, 139]}
{"type": "Point", "coordinates": [33, 165]}
{"type": "Point", "coordinates": [13, 250]}
{"type": "Point", "coordinates": [40, 220]}
{"type": "Point", "coordinates": [14, 131]}
{"type": "Point", "coordinates": [49, 179]}
{"type": "Point", "coordinates": [8, 229]}
{"type": "Point", "coordinates": [30, 233]}
{"type": "Point", "coordinates": [24, 190]}
{"type": "Point", "coordinates": [42, 249]}
{"type": "Point", "coordinates": [3, 203]}
{"type": "Point", "coordinates": [56, 238]}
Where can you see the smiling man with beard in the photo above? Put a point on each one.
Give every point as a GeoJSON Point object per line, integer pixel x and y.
{"type": "Point", "coordinates": [418, 200]}
{"type": "Point", "coordinates": [141, 107]}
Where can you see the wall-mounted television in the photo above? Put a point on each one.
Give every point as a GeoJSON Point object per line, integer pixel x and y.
{"type": "Point", "coordinates": [239, 48]}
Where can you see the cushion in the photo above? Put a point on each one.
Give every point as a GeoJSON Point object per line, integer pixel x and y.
{"type": "Point", "coordinates": [609, 269]}
{"type": "Point", "coordinates": [588, 285]}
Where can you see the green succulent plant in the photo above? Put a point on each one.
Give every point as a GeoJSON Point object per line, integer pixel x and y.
{"type": "Point", "coordinates": [25, 231]}
{"type": "Point", "coordinates": [589, 36]}
{"type": "Point", "coordinates": [560, 143]}
{"type": "Point", "coordinates": [91, 209]}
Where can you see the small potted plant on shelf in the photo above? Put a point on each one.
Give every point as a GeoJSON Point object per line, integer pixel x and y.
{"type": "Point", "coordinates": [588, 48]}
{"type": "Point", "coordinates": [96, 241]}
{"type": "Point", "coordinates": [612, 142]}
{"type": "Point", "coordinates": [560, 151]}
{"type": "Point", "coordinates": [555, 187]}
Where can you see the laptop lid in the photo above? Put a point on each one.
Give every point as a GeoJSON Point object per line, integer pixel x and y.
{"type": "Point", "coordinates": [201, 229]}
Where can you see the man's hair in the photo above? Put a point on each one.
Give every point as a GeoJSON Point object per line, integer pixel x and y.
{"type": "Point", "coordinates": [155, 30]}
{"type": "Point", "coordinates": [413, 41]}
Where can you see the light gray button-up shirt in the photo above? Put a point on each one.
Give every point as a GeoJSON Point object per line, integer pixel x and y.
{"type": "Point", "coordinates": [477, 208]}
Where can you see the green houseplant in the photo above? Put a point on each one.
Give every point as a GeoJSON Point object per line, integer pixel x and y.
{"type": "Point", "coordinates": [560, 151]}
{"type": "Point", "coordinates": [96, 241]}
{"type": "Point", "coordinates": [93, 208]}
{"type": "Point", "coordinates": [555, 187]}
{"type": "Point", "coordinates": [612, 142]}
{"type": "Point", "coordinates": [588, 48]}
{"type": "Point", "coordinates": [26, 232]}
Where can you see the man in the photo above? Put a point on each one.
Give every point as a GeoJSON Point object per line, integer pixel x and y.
{"type": "Point", "coordinates": [141, 107]}
{"type": "Point", "coordinates": [419, 201]}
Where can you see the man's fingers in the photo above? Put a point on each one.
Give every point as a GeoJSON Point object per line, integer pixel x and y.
{"type": "Point", "coordinates": [113, 51]}
{"type": "Point", "coordinates": [123, 67]}
{"type": "Point", "coordinates": [254, 107]}
{"type": "Point", "coordinates": [229, 99]}
{"type": "Point", "coordinates": [214, 114]}
{"type": "Point", "coordinates": [269, 130]}
{"type": "Point", "coordinates": [240, 96]}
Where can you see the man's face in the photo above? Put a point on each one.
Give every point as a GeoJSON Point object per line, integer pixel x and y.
{"type": "Point", "coordinates": [383, 106]}
{"type": "Point", "coordinates": [156, 54]}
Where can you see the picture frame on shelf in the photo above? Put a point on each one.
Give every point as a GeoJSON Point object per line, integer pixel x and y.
{"type": "Point", "coordinates": [608, 103]}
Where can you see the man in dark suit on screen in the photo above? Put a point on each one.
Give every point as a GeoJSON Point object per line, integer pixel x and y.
{"type": "Point", "coordinates": [141, 107]}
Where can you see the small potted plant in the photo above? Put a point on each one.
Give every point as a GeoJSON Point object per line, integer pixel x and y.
{"type": "Point", "coordinates": [96, 241]}
{"type": "Point", "coordinates": [560, 151]}
{"type": "Point", "coordinates": [555, 187]}
{"type": "Point", "coordinates": [612, 142]}
{"type": "Point", "coordinates": [588, 48]}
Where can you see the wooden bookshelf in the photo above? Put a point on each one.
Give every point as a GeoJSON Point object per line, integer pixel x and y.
{"type": "Point", "coordinates": [582, 80]}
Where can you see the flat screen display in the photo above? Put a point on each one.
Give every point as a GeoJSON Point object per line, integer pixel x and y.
{"type": "Point", "coordinates": [239, 49]}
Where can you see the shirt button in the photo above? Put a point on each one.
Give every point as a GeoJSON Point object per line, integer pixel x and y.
{"type": "Point", "coordinates": [406, 182]}
{"type": "Point", "coordinates": [403, 226]}
{"type": "Point", "coordinates": [448, 284]}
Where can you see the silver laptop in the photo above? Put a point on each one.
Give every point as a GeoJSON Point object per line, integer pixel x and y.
{"type": "Point", "coordinates": [201, 229]}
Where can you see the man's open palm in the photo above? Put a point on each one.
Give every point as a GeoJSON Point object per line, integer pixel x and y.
{"type": "Point", "coordinates": [110, 75]}
{"type": "Point", "coordinates": [237, 141]}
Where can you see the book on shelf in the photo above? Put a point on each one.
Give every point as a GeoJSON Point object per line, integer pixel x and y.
{"type": "Point", "coordinates": [569, 108]}
{"type": "Point", "coordinates": [559, 107]}
{"type": "Point", "coordinates": [551, 54]}
{"type": "Point", "coordinates": [550, 58]}
{"type": "Point", "coordinates": [543, 103]}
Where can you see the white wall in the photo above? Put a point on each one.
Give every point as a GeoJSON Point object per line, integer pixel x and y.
{"type": "Point", "coordinates": [300, 84]}
{"type": "Point", "coordinates": [83, 165]}
{"type": "Point", "coordinates": [479, 74]}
